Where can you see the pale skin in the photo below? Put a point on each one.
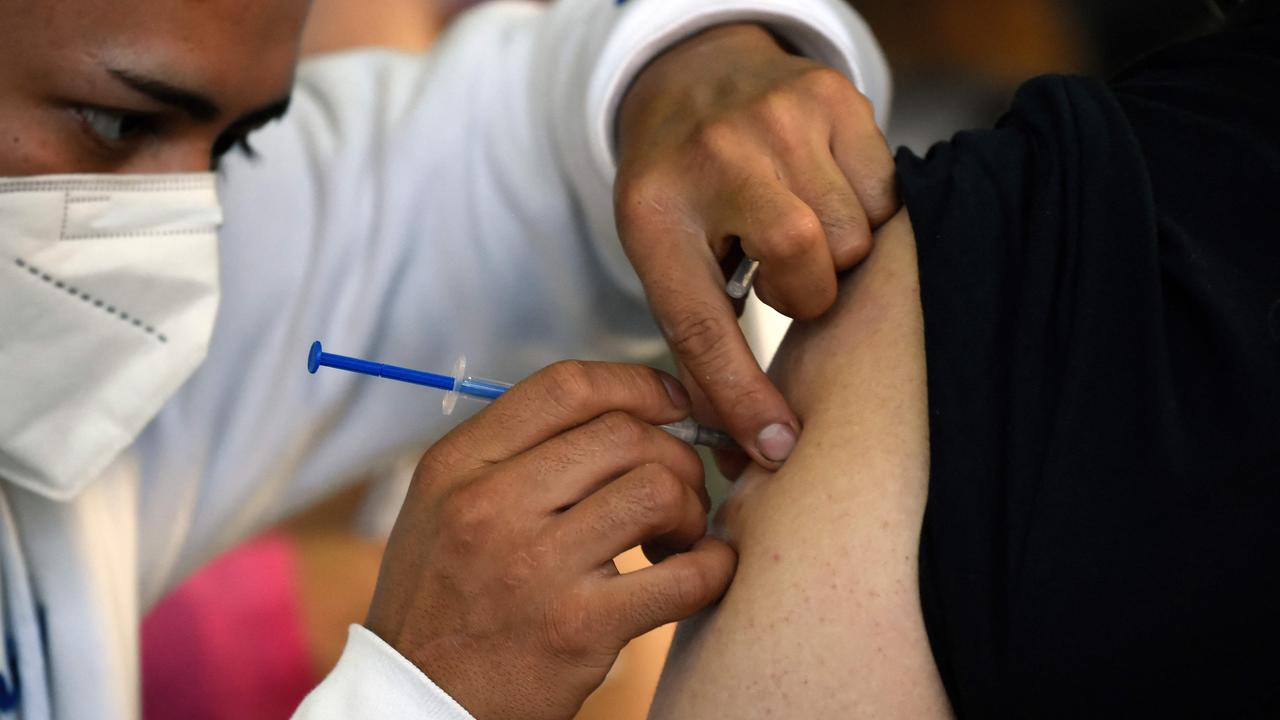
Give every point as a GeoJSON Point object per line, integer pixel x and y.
{"type": "Point", "coordinates": [823, 617]}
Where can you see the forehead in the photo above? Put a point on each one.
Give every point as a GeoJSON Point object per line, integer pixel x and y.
{"type": "Point", "coordinates": [241, 52]}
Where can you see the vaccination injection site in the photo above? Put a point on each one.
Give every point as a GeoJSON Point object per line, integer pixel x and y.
{"type": "Point", "coordinates": [627, 359]}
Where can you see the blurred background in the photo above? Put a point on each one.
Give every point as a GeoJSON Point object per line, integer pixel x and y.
{"type": "Point", "coordinates": [248, 635]}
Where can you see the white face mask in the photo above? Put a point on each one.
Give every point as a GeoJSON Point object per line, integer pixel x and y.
{"type": "Point", "coordinates": [108, 292]}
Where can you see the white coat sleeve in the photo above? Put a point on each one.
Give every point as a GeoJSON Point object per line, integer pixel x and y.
{"type": "Point", "coordinates": [411, 208]}
{"type": "Point", "coordinates": [372, 680]}
{"type": "Point", "coordinates": [614, 45]}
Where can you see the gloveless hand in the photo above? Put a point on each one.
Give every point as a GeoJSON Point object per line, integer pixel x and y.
{"type": "Point", "coordinates": [498, 580]}
{"type": "Point", "coordinates": [728, 137]}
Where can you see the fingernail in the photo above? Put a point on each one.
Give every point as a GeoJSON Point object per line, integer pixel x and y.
{"type": "Point", "coordinates": [776, 442]}
{"type": "Point", "coordinates": [679, 396]}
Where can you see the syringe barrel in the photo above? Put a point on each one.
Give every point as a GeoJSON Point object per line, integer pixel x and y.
{"type": "Point", "coordinates": [482, 389]}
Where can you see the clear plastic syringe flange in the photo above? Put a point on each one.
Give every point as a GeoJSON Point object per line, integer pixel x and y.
{"type": "Point", "coordinates": [478, 389]}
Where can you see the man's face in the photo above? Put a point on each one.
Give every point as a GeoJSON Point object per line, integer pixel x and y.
{"type": "Point", "coordinates": [96, 86]}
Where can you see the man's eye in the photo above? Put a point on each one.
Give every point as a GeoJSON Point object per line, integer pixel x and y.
{"type": "Point", "coordinates": [113, 126]}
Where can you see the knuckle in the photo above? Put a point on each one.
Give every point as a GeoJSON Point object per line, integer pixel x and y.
{"type": "Point", "coordinates": [687, 588]}
{"type": "Point", "coordinates": [660, 495]}
{"type": "Point", "coordinates": [779, 107]}
{"type": "Point", "coordinates": [692, 585]}
{"type": "Point", "coordinates": [828, 83]}
{"type": "Point", "coordinates": [697, 334]}
{"type": "Point", "coordinates": [469, 513]}
{"type": "Point", "coordinates": [688, 465]}
{"type": "Point", "coordinates": [622, 430]}
{"type": "Point", "coordinates": [861, 104]}
{"type": "Point", "coordinates": [882, 197]}
{"type": "Point", "coordinates": [749, 398]}
{"type": "Point", "coordinates": [717, 138]}
{"type": "Point", "coordinates": [569, 385]}
{"type": "Point", "coordinates": [840, 209]}
{"type": "Point", "coordinates": [432, 466]}
{"type": "Point", "coordinates": [797, 233]}
{"type": "Point", "coordinates": [567, 629]}
{"type": "Point", "coordinates": [641, 199]}
{"type": "Point", "coordinates": [850, 236]}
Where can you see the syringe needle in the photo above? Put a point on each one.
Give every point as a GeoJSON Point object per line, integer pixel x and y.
{"type": "Point", "coordinates": [740, 284]}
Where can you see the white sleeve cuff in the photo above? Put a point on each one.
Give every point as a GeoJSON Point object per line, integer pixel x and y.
{"type": "Point", "coordinates": [828, 31]}
{"type": "Point", "coordinates": [622, 40]}
{"type": "Point", "coordinates": [372, 680]}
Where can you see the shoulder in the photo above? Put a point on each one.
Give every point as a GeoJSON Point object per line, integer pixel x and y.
{"type": "Point", "coordinates": [1052, 121]}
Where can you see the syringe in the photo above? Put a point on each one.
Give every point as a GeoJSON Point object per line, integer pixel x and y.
{"type": "Point", "coordinates": [740, 284]}
{"type": "Point", "coordinates": [459, 384]}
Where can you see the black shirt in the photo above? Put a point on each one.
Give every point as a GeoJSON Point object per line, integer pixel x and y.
{"type": "Point", "coordinates": [1100, 278]}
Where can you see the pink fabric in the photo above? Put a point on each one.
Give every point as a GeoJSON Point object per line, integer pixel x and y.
{"type": "Point", "coordinates": [228, 643]}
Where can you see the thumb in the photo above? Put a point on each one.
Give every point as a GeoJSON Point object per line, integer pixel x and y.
{"type": "Point", "coordinates": [671, 590]}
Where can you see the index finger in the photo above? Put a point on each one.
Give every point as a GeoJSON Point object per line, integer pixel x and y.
{"type": "Point", "coordinates": [686, 292]}
{"type": "Point", "coordinates": [559, 398]}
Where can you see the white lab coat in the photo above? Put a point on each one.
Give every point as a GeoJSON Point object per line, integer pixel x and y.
{"type": "Point", "coordinates": [409, 208]}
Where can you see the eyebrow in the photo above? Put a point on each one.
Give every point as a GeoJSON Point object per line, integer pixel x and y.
{"type": "Point", "coordinates": [192, 103]}
{"type": "Point", "coordinates": [199, 107]}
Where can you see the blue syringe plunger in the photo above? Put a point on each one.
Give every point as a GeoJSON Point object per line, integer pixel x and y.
{"type": "Point", "coordinates": [480, 389]}
{"type": "Point", "coordinates": [318, 358]}
{"type": "Point", "coordinates": [455, 386]}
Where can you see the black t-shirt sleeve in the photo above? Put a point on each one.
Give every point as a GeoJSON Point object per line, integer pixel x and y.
{"type": "Point", "coordinates": [1100, 279]}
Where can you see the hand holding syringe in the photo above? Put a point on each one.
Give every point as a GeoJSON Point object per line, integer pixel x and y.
{"type": "Point", "coordinates": [460, 385]}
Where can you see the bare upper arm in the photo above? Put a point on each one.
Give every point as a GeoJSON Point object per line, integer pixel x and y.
{"type": "Point", "coordinates": [823, 618]}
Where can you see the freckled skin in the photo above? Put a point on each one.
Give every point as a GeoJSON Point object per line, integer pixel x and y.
{"type": "Point", "coordinates": [823, 617]}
